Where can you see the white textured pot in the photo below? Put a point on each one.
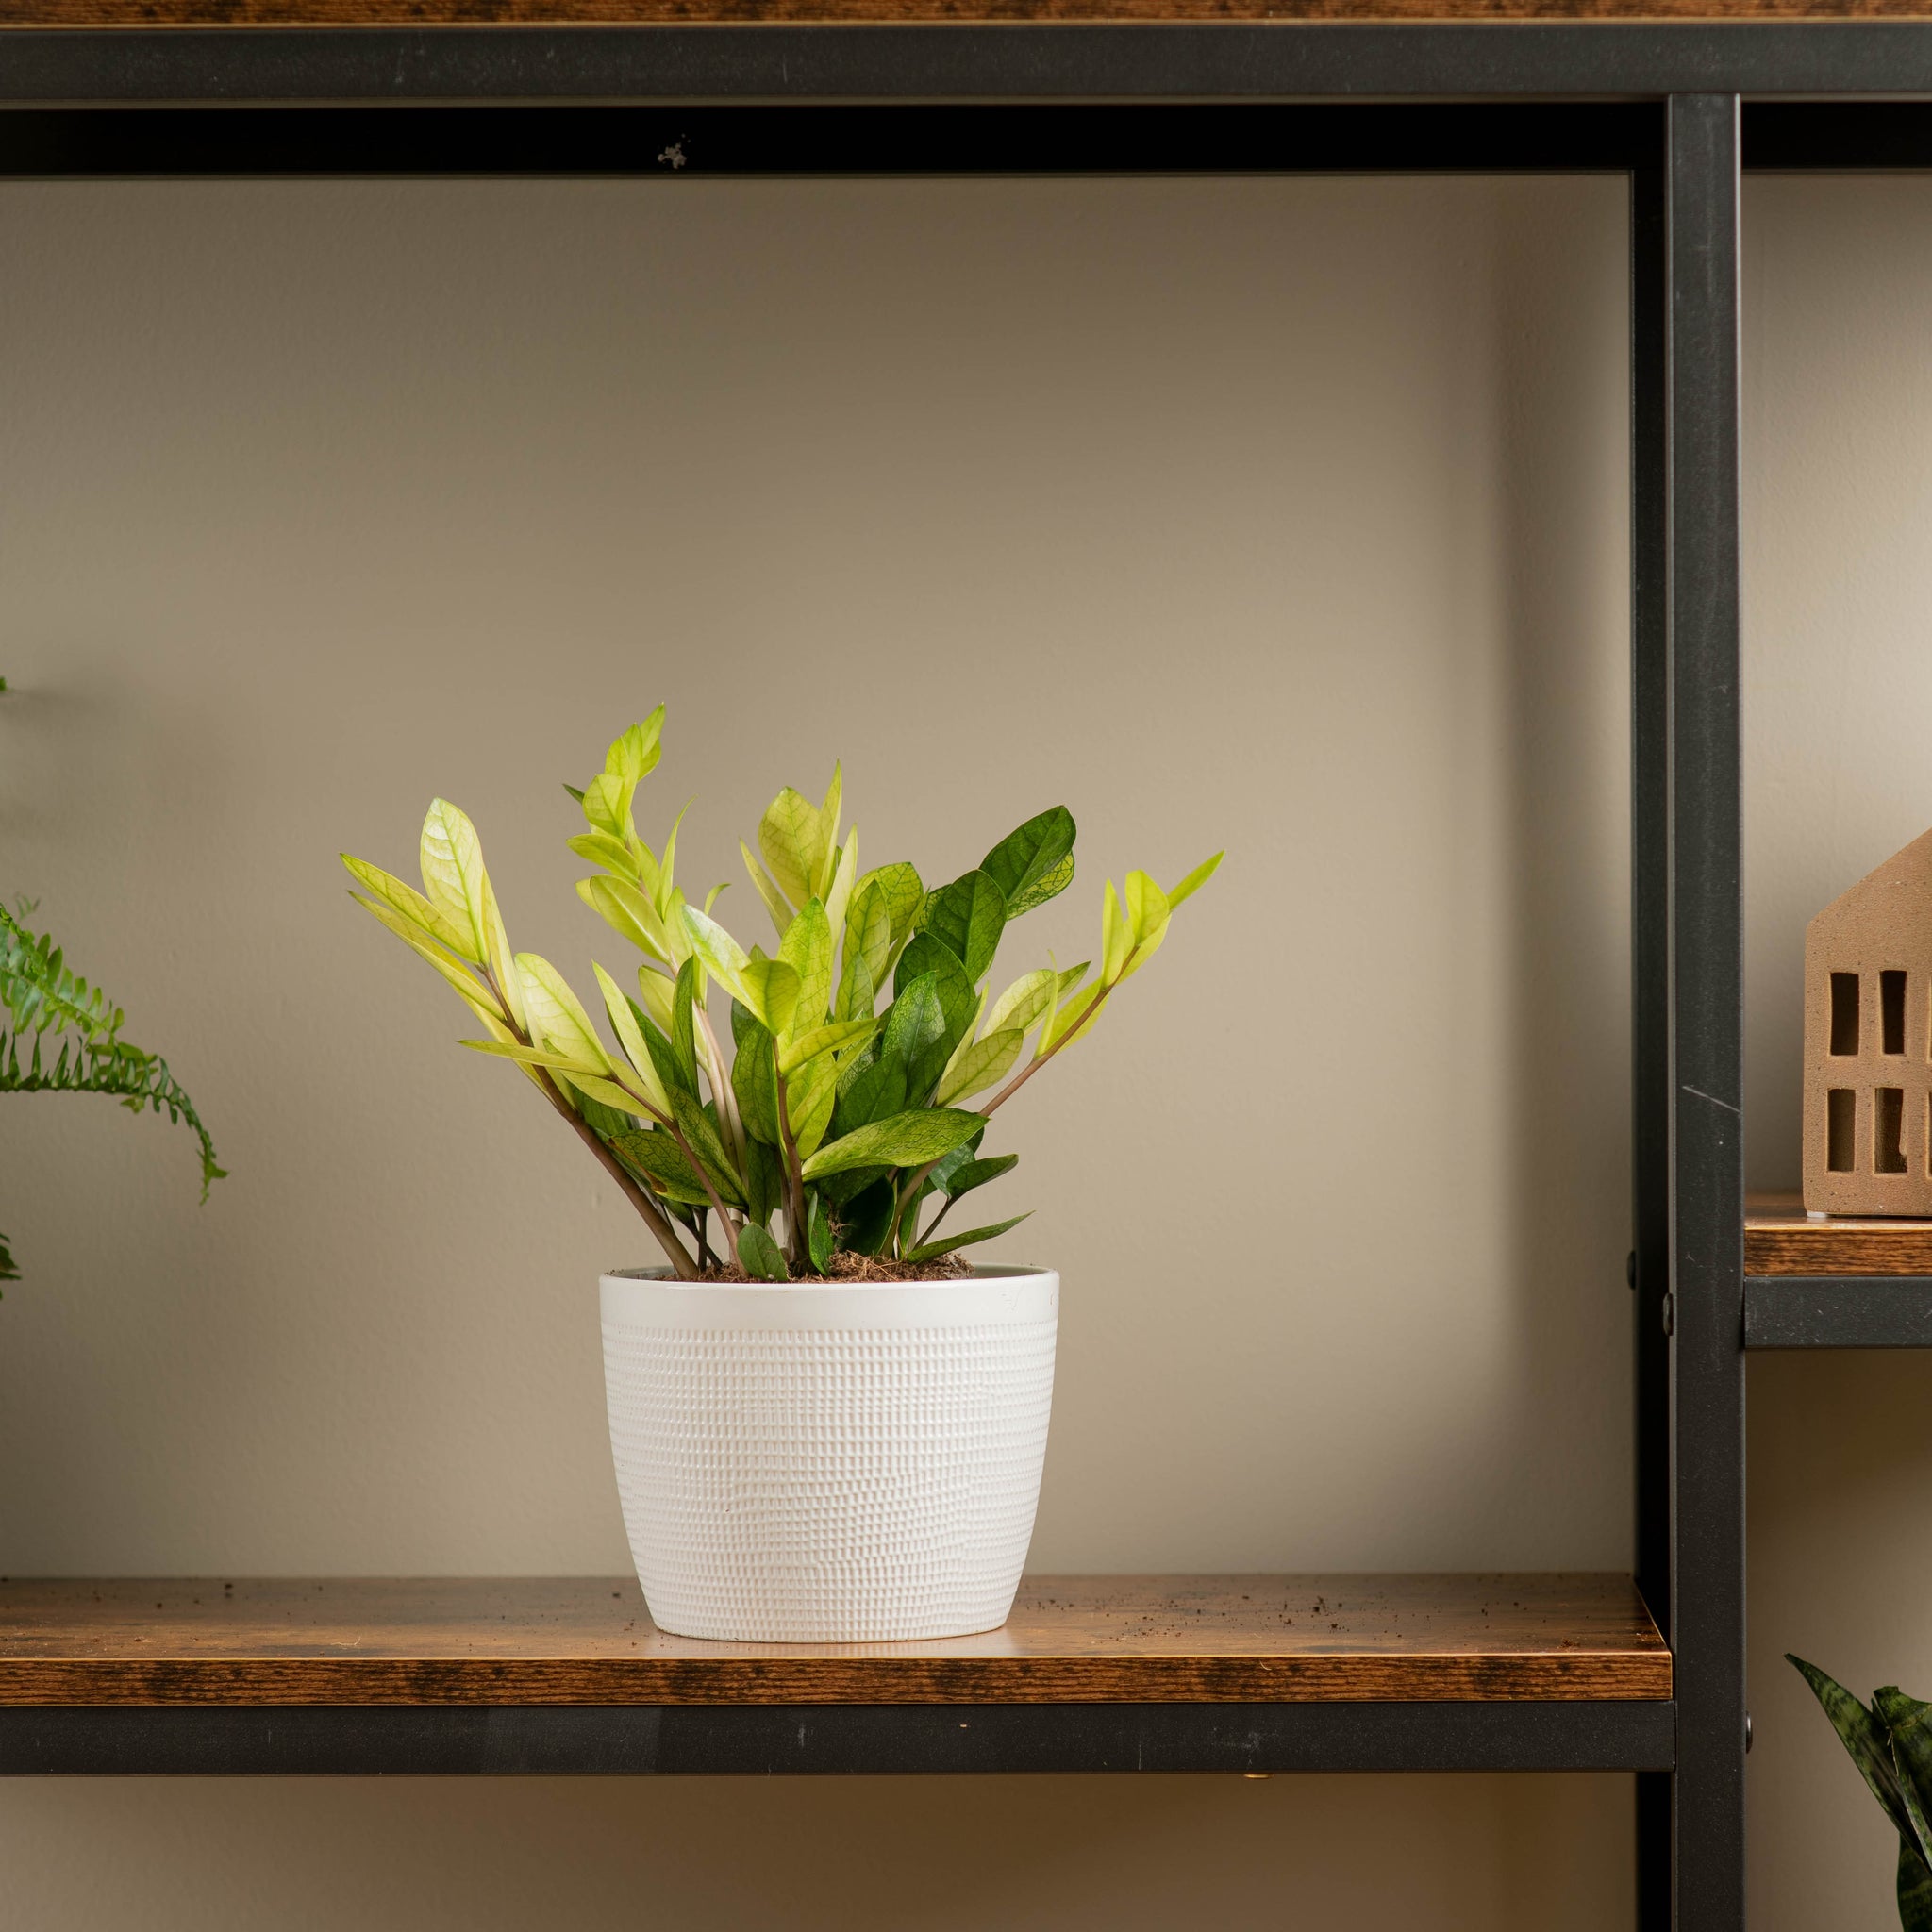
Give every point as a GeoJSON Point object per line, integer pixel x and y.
{"type": "Point", "coordinates": [821, 1462]}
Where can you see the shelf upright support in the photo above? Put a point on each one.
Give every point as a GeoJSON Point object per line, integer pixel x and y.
{"type": "Point", "coordinates": [1650, 954]}
{"type": "Point", "coordinates": [1704, 1313]}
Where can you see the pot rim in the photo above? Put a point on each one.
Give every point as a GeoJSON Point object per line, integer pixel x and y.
{"type": "Point", "coordinates": [989, 1272]}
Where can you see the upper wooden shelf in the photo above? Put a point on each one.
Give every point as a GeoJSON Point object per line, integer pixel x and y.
{"type": "Point", "coordinates": [1780, 1239]}
{"type": "Point", "coordinates": [1088, 1639]}
{"type": "Point", "coordinates": [418, 13]}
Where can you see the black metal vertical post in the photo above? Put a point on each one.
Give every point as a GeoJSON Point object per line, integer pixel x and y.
{"type": "Point", "coordinates": [1650, 956]}
{"type": "Point", "coordinates": [1706, 1229]}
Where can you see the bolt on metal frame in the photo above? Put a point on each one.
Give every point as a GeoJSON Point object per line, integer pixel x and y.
{"type": "Point", "coordinates": [1660, 102]}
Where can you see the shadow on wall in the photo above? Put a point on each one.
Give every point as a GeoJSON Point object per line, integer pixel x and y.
{"type": "Point", "coordinates": [849, 1854]}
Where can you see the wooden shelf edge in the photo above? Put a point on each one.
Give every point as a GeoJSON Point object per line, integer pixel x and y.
{"type": "Point", "coordinates": [557, 1643]}
{"type": "Point", "coordinates": [1781, 1240]}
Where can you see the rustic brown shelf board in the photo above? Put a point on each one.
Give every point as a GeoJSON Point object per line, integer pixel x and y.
{"type": "Point", "coordinates": [575, 1641]}
{"type": "Point", "coordinates": [1779, 1239]}
{"type": "Point", "coordinates": [419, 13]}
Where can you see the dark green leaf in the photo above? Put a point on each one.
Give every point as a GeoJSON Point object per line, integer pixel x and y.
{"type": "Point", "coordinates": [840, 1188]}
{"type": "Point", "coordinates": [929, 956]}
{"type": "Point", "coordinates": [976, 1173]}
{"type": "Point", "coordinates": [969, 915]}
{"type": "Point", "coordinates": [658, 1158]}
{"type": "Point", "coordinates": [603, 1120]}
{"type": "Point", "coordinates": [670, 1070]}
{"type": "Point", "coordinates": [914, 1032]}
{"type": "Point", "coordinates": [1914, 1891]}
{"type": "Point", "coordinates": [700, 1138]}
{"type": "Point", "coordinates": [1910, 1725]}
{"type": "Point", "coordinates": [933, 1250]}
{"type": "Point", "coordinates": [764, 1180]}
{"type": "Point", "coordinates": [1862, 1735]}
{"type": "Point", "coordinates": [758, 1255]}
{"type": "Point", "coordinates": [868, 1218]}
{"type": "Point", "coordinates": [755, 1080]}
{"type": "Point", "coordinates": [819, 1233]}
{"type": "Point", "coordinates": [905, 1139]}
{"type": "Point", "coordinates": [1035, 862]}
{"type": "Point", "coordinates": [943, 1171]}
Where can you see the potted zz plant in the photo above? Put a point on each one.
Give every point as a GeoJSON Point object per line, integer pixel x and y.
{"type": "Point", "coordinates": [826, 1427]}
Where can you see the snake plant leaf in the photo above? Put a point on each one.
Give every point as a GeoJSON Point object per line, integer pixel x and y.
{"type": "Point", "coordinates": [474, 989]}
{"type": "Point", "coordinates": [977, 1064]}
{"type": "Point", "coordinates": [1147, 916]}
{"type": "Point", "coordinates": [819, 1234]}
{"type": "Point", "coordinates": [810, 1096]}
{"type": "Point", "coordinates": [843, 1036]}
{"type": "Point", "coordinates": [453, 872]}
{"type": "Point", "coordinates": [1195, 880]}
{"type": "Point", "coordinates": [767, 887]}
{"type": "Point", "coordinates": [1035, 862]}
{"type": "Point", "coordinates": [807, 948]}
{"type": "Point", "coordinates": [931, 1251]}
{"type": "Point", "coordinates": [557, 1019]}
{"type": "Point", "coordinates": [974, 1174]}
{"type": "Point", "coordinates": [764, 1181]}
{"type": "Point", "coordinates": [684, 1026]}
{"type": "Point", "coordinates": [903, 896]}
{"type": "Point", "coordinates": [1914, 1891]}
{"type": "Point", "coordinates": [1910, 1725]}
{"type": "Point", "coordinates": [754, 1082]}
{"type": "Point", "coordinates": [792, 835]}
{"type": "Point", "coordinates": [633, 754]}
{"type": "Point", "coordinates": [600, 848]}
{"type": "Point", "coordinates": [658, 1158]}
{"type": "Point", "coordinates": [905, 1139]}
{"type": "Point", "coordinates": [701, 1137]}
{"type": "Point", "coordinates": [969, 915]}
{"type": "Point", "coordinates": [1865, 1739]}
{"type": "Point", "coordinates": [758, 1255]}
{"type": "Point", "coordinates": [423, 914]}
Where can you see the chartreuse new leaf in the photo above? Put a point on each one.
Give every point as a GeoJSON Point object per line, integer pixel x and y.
{"type": "Point", "coordinates": [867, 1050]}
{"type": "Point", "coordinates": [905, 1139]}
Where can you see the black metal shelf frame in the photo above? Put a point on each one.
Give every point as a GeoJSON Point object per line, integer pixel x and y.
{"type": "Point", "coordinates": [1659, 102]}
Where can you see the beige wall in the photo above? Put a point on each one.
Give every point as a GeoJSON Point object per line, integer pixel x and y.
{"type": "Point", "coordinates": [1284, 515]}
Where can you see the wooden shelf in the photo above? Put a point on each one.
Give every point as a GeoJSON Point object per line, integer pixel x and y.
{"type": "Point", "coordinates": [1844, 1282]}
{"type": "Point", "coordinates": [1780, 1239]}
{"type": "Point", "coordinates": [560, 1641]}
{"type": "Point", "coordinates": [420, 13]}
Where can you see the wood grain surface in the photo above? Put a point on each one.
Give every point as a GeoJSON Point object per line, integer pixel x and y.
{"type": "Point", "coordinates": [1779, 1239]}
{"type": "Point", "coordinates": [193, 13]}
{"type": "Point", "coordinates": [1439, 1639]}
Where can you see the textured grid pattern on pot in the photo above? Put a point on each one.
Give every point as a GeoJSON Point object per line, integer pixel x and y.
{"type": "Point", "coordinates": [829, 1485]}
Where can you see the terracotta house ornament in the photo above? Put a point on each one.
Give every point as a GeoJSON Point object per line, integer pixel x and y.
{"type": "Point", "coordinates": [1868, 1044]}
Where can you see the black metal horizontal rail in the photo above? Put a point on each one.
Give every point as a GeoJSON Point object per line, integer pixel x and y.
{"type": "Point", "coordinates": [1211, 61]}
{"type": "Point", "coordinates": [698, 142]}
{"type": "Point", "coordinates": [766, 1740]}
{"type": "Point", "coordinates": [1838, 1312]}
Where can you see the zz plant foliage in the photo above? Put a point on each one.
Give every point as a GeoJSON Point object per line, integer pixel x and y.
{"type": "Point", "coordinates": [1890, 1742]}
{"type": "Point", "coordinates": [60, 1035]}
{"type": "Point", "coordinates": [867, 1050]}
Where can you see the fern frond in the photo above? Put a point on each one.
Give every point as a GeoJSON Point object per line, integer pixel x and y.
{"type": "Point", "coordinates": [44, 1005]}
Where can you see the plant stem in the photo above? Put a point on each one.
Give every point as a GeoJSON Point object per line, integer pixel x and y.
{"type": "Point", "coordinates": [697, 1167]}
{"type": "Point", "coordinates": [1039, 1060]}
{"type": "Point", "coordinates": [654, 1218]}
{"type": "Point", "coordinates": [722, 1090]}
{"type": "Point", "coordinates": [795, 1213]}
